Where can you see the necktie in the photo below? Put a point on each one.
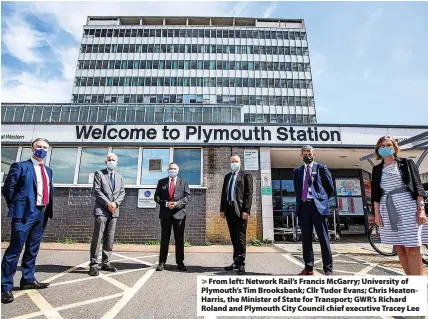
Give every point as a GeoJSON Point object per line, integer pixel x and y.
{"type": "Point", "coordinates": [231, 187]}
{"type": "Point", "coordinates": [172, 189]}
{"type": "Point", "coordinates": [306, 184]}
{"type": "Point", "coordinates": [112, 180]}
{"type": "Point", "coordinates": [45, 198]}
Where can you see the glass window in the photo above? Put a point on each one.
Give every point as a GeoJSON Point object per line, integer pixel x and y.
{"type": "Point", "coordinates": [26, 153]}
{"type": "Point", "coordinates": [189, 161]}
{"type": "Point", "coordinates": [92, 160]}
{"type": "Point", "coordinates": [155, 164]}
{"type": "Point", "coordinates": [128, 162]}
{"type": "Point", "coordinates": [63, 161]}
{"type": "Point", "coordinates": [8, 157]}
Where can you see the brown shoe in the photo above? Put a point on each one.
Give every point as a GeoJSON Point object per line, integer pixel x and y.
{"type": "Point", "coordinates": [306, 272]}
{"type": "Point", "coordinates": [328, 273]}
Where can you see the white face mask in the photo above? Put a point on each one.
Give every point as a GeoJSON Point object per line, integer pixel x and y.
{"type": "Point", "coordinates": [111, 164]}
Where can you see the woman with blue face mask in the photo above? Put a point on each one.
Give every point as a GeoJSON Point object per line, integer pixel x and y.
{"type": "Point", "coordinates": [398, 201]}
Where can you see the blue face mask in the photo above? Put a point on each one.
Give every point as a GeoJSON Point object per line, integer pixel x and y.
{"type": "Point", "coordinates": [386, 151]}
{"type": "Point", "coordinates": [172, 173]}
{"type": "Point", "coordinates": [40, 152]}
{"type": "Point", "coordinates": [111, 164]}
{"type": "Point", "coordinates": [235, 166]}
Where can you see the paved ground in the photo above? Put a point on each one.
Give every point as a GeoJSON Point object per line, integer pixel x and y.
{"type": "Point", "coordinates": [138, 291]}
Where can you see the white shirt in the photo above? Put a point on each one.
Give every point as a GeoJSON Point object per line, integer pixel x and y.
{"type": "Point", "coordinates": [304, 176]}
{"type": "Point", "coordinates": [39, 177]}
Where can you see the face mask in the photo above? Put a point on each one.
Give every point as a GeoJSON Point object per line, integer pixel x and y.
{"type": "Point", "coordinates": [172, 173]}
{"type": "Point", "coordinates": [235, 166]}
{"type": "Point", "coordinates": [386, 151]}
{"type": "Point", "coordinates": [40, 152]}
{"type": "Point", "coordinates": [308, 159]}
{"type": "Point", "coordinates": [111, 164]}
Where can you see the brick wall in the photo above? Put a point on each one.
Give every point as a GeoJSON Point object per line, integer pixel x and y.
{"type": "Point", "coordinates": [216, 165]}
{"type": "Point", "coordinates": [73, 218]}
{"type": "Point", "coordinates": [73, 210]}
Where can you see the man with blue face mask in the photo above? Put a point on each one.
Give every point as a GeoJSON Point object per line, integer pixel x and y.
{"type": "Point", "coordinates": [172, 194]}
{"type": "Point", "coordinates": [109, 193]}
{"type": "Point", "coordinates": [235, 206]}
{"type": "Point", "coordinates": [28, 192]}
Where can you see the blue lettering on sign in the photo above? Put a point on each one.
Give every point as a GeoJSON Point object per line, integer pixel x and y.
{"type": "Point", "coordinates": [147, 193]}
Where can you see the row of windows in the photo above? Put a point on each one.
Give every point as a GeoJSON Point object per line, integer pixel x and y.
{"type": "Point", "coordinates": [193, 48]}
{"type": "Point", "coordinates": [195, 99]}
{"type": "Point", "coordinates": [280, 118]}
{"type": "Point", "coordinates": [193, 81]}
{"type": "Point", "coordinates": [196, 33]}
{"type": "Point", "coordinates": [131, 113]}
{"type": "Point", "coordinates": [64, 161]}
{"type": "Point", "coordinates": [192, 65]}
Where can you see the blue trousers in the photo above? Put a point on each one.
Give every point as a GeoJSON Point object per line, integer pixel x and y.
{"type": "Point", "coordinates": [25, 231]}
{"type": "Point", "coordinates": [310, 217]}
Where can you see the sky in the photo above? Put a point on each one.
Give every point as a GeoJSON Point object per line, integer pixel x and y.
{"type": "Point", "coordinates": [369, 59]}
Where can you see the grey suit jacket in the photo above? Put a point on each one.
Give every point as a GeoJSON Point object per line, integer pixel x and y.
{"type": "Point", "coordinates": [181, 195]}
{"type": "Point", "coordinates": [105, 194]}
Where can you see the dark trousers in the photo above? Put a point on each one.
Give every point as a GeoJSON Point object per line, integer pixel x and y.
{"type": "Point", "coordinates": [25, 231]}
{"type": "Point", "coordinates": [178, 225]}
{"type": "Point", "coordinates": [238, 235]}
{"type": "Point", "coordinates": [309, 218]}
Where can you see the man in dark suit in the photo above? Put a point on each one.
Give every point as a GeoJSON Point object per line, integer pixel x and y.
{"type": "Point", "coordinates": [235, 206]}
{"type": "Point", "coordinates": [313, 184]}
{"type": "Point", "coordinates": [109, 192]}
{"type": "Point", "coordinates": [28, 192]}
{"type": "Point", "coordinates": [172, 194]}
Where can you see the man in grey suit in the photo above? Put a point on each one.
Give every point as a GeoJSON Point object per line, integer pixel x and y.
{"type": "Point", "coordinates": [109, 193]}
{"type": "Point", "coordinates": [172, 194]}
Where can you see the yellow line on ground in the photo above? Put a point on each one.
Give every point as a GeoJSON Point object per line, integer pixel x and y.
{"type": "Point", "coordinates": [73, 305]}
{"type": "Point", "coordinates": [127, 296]}
{"type": "Point", "coordinates": [115, 282]}
{"type": "Point", "coordinates": [43, 305]}
{"type": "Point", "coordinates": [364, 271]}
{"type": "Point", "coordinates": [297, 262]}
{"type": "Point", "coordinates": [134, 259]}
{"type": "Point", "coordinates": [94, 277]}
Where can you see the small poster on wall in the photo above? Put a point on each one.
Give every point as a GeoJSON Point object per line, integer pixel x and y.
{"type": "Point", "coordinates": [367, 188]}
{"type": "Point", "coordinates": [350, 206]}
{"type": "Point", "coordinates": [348, 187]}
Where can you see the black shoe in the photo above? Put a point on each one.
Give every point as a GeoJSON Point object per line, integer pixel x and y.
{"type": "Point", "coordinates": [34, 285]}
{"type": "Point", "coordinates": [181, 267]}
{"type": "Point", "coordinates": [231, 267]}
{"type": "Point", "coordinates": [6, 297]}
{"type": "Point", "coordinates": [241, 270]}
{"type": "Point", "coordinates": [93, 271]}
{"type": "Point", "coordinates": [108, 267]}
{"type": "Point", "coordinates": [160, 267]}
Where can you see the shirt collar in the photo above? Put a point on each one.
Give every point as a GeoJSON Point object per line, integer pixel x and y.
{"type": "Point", "coordinates": [310, 165]}
{"type": "Point", "coordinates": [35, 162]}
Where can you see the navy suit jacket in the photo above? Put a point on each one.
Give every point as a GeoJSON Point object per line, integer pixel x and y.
{"type": "Point", "coordinates": [20, 190]}
{"type": "Point", "coordinates": [322, 187]}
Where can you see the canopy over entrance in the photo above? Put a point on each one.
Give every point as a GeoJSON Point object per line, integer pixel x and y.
{"type": "Point", "coordinates": [417, 144]}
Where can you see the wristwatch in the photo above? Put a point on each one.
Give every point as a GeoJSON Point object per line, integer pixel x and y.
{"type": "Point", "coordinates": [421, 203]}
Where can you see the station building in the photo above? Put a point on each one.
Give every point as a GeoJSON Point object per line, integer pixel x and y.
{"type": "Point", "coordinates": [193, 90]}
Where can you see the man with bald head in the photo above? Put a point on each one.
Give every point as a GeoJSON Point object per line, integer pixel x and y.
{"type": "Point", "coordinates": [235, 207]}
{"type": "Point", "coordinates": [109, 193]}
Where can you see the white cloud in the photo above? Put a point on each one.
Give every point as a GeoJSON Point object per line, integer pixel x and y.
{"type": "Point", "coordinates": [319, 64]}
{"type": "Point", "coordinates": [364, 35]}
{"type": "Point", "coordinates": [71, 16]}
{"type": "Point", "coordinates": [374, 16]}
{"type": "Point", "coordinates": [20, 40]}
{"type": "Point", "coordinates": [269, 10]}
{"type": "Point", "coordinates": [23, 41]}
{"type": "Point", "coordinates": [402, 56]}
{"type": "Point", "coordinates": [33, 88]}
{"type": "Point", "coordinates": [240, 8]}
